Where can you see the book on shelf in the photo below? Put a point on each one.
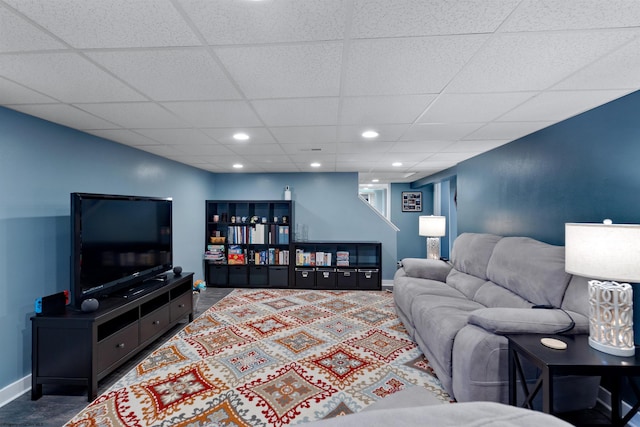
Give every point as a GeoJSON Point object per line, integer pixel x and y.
{"type": "Point", "coordinates": [342, 258]}
{"type": "Point", "coordinates": [216, 254]}
{"type": "Point", "coordinates": [236, 254]}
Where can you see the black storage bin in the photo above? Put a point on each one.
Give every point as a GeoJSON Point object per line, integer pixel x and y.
{"type": "Point", "coordinates": [279, 277]}
{"type": "Point", "coordinates": [305, 278]}
{"type": "Point", "coordinates": [326, 278]}
{"type": "Point", "coordinates": [258, 276]}
{"type": "Point", "coordinates": [346, 278]}
{"type": "Point", "coordinates": [218, 275]}
{"type": "Point", "coordinates": [238, 277]}
{"type": "Point", "coordinates": [369, 279]}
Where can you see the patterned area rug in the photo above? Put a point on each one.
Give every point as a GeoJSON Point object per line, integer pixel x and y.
{"type": "Point", "coordinates": [269, 358]}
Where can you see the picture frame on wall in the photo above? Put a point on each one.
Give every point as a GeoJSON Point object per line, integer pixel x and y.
{"type": "Point", "coordinates": [412, 201]}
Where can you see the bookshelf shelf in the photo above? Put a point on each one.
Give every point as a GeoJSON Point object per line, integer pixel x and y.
{"type": "Point", "coordinates": [248, 243]}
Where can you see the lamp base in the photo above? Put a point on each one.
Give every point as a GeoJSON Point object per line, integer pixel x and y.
{"type": "Point", "coordinates": [433, 248]}
{"type": "Point", "coordinates": [616, 351]}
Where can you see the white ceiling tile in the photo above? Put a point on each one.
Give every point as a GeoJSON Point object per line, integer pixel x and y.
{"type": "Point", "coordinates": [282, 71]}
{"type": "Point", "coordinates": [470, 108]}
{"type": "Point", "coordinates": [205, 150]}
{"type": "Point", "coordinates": [169, 75]}
{"type": "Point", "coordinates": [16, 34]}
{"type": "Point", "coordinates": [225, 135]}
{"type": "Point", "coordinates": [245, 22]}
{"type": "Point", "coordinates": [310, 148]}
{"type": "Point", "coordinates": [364, 147]}
{"type": "Point", "coordinates": [386, 132]}
{"type": "Point", "coordinates": [406, 65]}
{"type": "Point", "coordinates": [380, 18]}
{"type": "Point", "coordinates": [123, 136]}
{"type": "Point", "coordinates": [298, 112]}
{"type": "Point", "coordinates": [306, 134]}
{"type": "Point", "coordinates": [545, 15]}
{"type": "Point", "coordinates": [280, 167]}
{"type": "Point", "coordinates": [439, 131]}
{"type": "Point", "coordinates": [257, 149]}
{"type": "Point", "coordinates": [160, 150]}
{"type": "Point", "coordinates": [177, 136]}
{"type": "Point", "coordinates": [193, 160]}
{"type": "Point", "coordinates": [65, 115]}
{"type": "Point", "coordinates": [13, 93]}
{"type": "Point", "coordinates": [506, 130]}
{"type": "Point", "coordinates": [65, 76]}
{"type": "Point", "coordinates": [215, 113]}
{"type": "Point", "coordinates": [474, 146]}
{"type": "Point", "coordinates": [618, 70]}
{"type": "Point", "coordinates": [452, 158]}
{"type": "Point", "coordinates": [134, 114]}
{"type": "Point", "coordinates": [383, 109]}
{"type": "Point", "coordinates": [304, 157]}
{"type": "Point", "coordinates": [268, 158]}
{"type": "Point", "coordinates": [113, 23]}
{"type": "Point", "coordinates": [420, 146]}
{"type": "Point", "coordinates": [557, 106]}
{"type": "Point", "coordinates": [533, 61]}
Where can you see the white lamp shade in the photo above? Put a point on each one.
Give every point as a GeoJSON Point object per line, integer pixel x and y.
{"type": "Point", "coordinates": [603, 251]}
{"type": "Point", "coordinates": [432, 226]}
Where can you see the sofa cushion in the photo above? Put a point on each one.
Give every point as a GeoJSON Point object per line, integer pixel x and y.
{"type": "Point", "coordinates": [471, 253]}
{"type": "Point", "coordinates": [433, 269]}
{"type": "Point", "coordinates": [492, 295]}
{"type": "Point", "coordinates": [521, 320]}
{"type": "Point", "coordinates": [529, 268]}
{"type": "Point", "coordinates": [465, 283]}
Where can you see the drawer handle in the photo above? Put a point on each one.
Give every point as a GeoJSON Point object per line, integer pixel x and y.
{"type": "Point", "coordinates": [121, 345]}
{"type": "Point", "coordinates": [305, 274]}
{"type": "Point", "coordinates": [156, 322]}
{"type": "Point", "coordinates": [347, 274]}
{"type": "Point", "coordinates": [367, 275]}
{"type": "Point", "coordinates": [325, 274]}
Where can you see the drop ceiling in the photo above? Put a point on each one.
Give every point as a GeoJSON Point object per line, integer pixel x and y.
{"type": "Point", "coordinates": [440, 81]}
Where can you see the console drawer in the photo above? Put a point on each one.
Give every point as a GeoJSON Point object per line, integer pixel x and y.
{"type": "Point", "coordinates": [154, 323]}
{"type": "Point", "coordinates": [117, 346]}
{"type": "Point", "coordinates": [181, 306]}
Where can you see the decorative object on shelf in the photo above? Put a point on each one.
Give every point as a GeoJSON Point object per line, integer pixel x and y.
{"type": "Point", "coordinates": [412, 201]}
{"type": "Point", "coordinates": [287, 193]}
{"type": "Point", "coordinates": [433, 227]}
{"type": "Point", "coordinates": [608, 252]}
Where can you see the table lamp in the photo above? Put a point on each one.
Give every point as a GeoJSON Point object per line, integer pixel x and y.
{"type": "Point", "coordinates": [607, 252]}
{"type": "Point", "coordinates": [433, 227]}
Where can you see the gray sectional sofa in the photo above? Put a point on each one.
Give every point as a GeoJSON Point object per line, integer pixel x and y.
{"type": "Point", "coordinates": [458, 312]}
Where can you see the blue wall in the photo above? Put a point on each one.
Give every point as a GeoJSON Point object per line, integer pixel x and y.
{"type": "Point", "coordinates": [42, 163]}
{"type": "Point", "coordinates": [327, 203]}
{"type": "Point", "coordinates": [410, 244]}
{"type": "Point", "coordinates": [584, 169]}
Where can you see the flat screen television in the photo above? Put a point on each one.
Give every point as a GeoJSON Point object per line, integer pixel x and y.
{"type": "Point", "coordinates": [118, 243]}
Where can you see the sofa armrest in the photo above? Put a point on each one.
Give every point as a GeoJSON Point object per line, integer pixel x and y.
{"type": "Point", "coordinates": [433, 269]}
{"type": "Point", "coordinates": [501, 321]}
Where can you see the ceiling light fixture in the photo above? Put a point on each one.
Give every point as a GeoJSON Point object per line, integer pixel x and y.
{"type": "Point", "coordinates": [240, 136]}
{"type": "Point", "coordinates": [396, 164]}
{"type": "Point", "coordinates": [370, 134]}
{"type": "Point", "coordinates": [238, 166]}
{"type": "Point", "coordinates": [375, 180]}
{"type": "Point", "coordinates": [315, 165]}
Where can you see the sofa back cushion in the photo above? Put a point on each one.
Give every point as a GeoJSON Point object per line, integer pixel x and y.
{"type": "Point", "coordinates": [471, 253]}
{"type": "Point", "coordinates": [531, 269]}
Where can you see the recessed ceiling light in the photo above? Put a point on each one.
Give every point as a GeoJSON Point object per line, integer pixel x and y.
{"type": "Point", "coordinates": [315, 165]}
{"type": "Point", "coordinates": [240, 136]}
{"type": "Point", "coordinates": [375, 180]}
{"type": "Point", "coordinates": [370, 134]}
{"type": "Point", "coordinates": [237, 166]}
{"type": "Point", "coordinates": [396, 164]}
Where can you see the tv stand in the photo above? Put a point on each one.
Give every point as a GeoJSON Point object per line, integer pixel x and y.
{"type": "Point", "coordinates": [77, 348]}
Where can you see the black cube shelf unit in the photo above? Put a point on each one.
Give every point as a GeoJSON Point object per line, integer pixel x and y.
{"type": "Point", "coordinates": [250, 244]}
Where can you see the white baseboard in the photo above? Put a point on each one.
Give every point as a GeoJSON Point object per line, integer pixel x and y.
{"type": "Point", "coordinates": [387, 283]}
{"type": "Point", "coordinates": [604, 397]}
{"type": "Point", "coordinates": [15, 390]}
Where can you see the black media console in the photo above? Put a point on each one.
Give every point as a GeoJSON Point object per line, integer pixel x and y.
{"type": "Point", "coordinates": [79, 348]}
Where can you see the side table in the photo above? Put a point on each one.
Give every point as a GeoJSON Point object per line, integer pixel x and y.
{"type": "Point", "coordinates": [577, 359]}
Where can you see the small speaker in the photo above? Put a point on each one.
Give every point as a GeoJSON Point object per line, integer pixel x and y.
{"type": "Point", "coordinates": [177, 270]}
{"type": "Point", "coordinates": [89, 305]}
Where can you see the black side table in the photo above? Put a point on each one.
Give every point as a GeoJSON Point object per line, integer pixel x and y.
{"type": "Point", "coordinates": [577, 359]}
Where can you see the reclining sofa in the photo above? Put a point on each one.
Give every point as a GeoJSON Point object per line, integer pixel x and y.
{"type": "Point", "coordinates": [459, 311]}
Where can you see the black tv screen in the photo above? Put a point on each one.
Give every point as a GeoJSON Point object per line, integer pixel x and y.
{"type": "Point", "coordinates": [117, 242]}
